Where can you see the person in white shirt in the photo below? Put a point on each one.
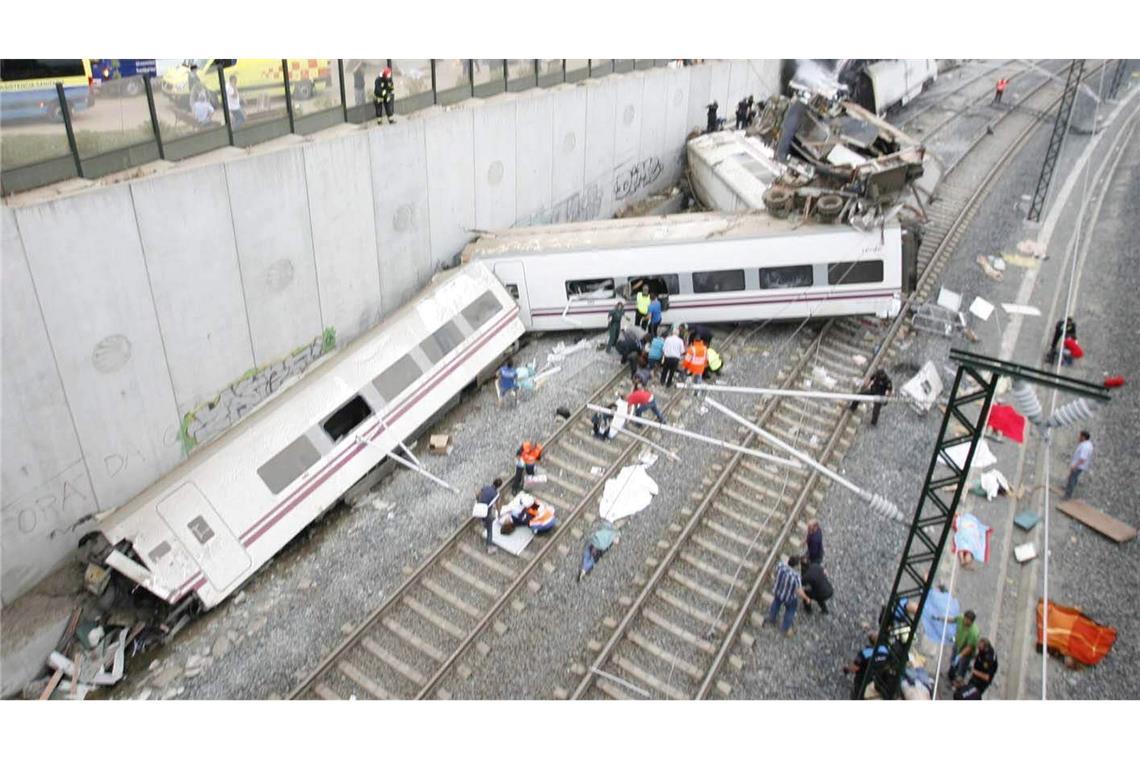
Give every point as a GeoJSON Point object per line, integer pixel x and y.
{"type": "Point", "coordinates": [202, 110]}
{"type": "Point", "coordinates": [233, 100]}
{"type": "Point", "coordinates": [1081, 458]}
{"type": "Point", "coordinates": [671, 352]}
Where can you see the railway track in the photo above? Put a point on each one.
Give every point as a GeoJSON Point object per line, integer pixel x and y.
{"type": "Point", "coordinates": [409, 646]}
{"type": "Point", "coordinates": [678, 633]}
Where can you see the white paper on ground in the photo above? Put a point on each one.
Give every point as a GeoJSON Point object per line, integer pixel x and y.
{"type": "Point", "coordinates": [948, 299]}
{"type": "Point", "coordinates": [1016, 308]}
{"type": "Point", "coordinates": [628, 493]}
{"type": "Point", "coordinates": [1024, 552]}
{"type": "Point", "coordinates": [981, 308]}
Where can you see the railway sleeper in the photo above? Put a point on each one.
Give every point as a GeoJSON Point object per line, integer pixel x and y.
{"type": "Point", "coordinates": [713, 548]}
{"type": "Point", "coordinates": [559, 482]}
{"type": "Point", "coordinates": [761, 489]}
{"type": "Point", "coordinates": [712, 571]}
{"type": "Point", "coordinates": [694, 612]}
{"type": "Point", "coordinates": [412, 640]}
{"type": "Point", "coordinates": [553, 461]}
{"type": "Point", "coordinates": [726, 532]}
{"type": "Point", "coordinates": [392, 661]}
{"type": "Point", "coordinates": [361, 679]}
{"type": "Point", "coordinates": [639, 674]}
{"type": "Point", "coordinates": [462, 575]}
{"type": "Point", "coordinates": [678, 631]}
{"type": "Point", "coordinates": [451, 599]}
{"type": "Point", "coordinates": [697, 587]}
{"type": "Point", "coordinates": [749, 522]}
{"type": "Point", "coordinates": [667, 658]}
{"type": "Point", "coordinates": [430, 615]}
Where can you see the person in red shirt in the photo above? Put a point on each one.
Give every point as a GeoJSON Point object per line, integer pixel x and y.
{"type": "Point", "coordinates": [640, 400]}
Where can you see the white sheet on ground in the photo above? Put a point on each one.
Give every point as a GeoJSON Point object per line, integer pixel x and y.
{"type": "Point", "coordinates": [983, 457]}
{"type": "Point", "coordinates": [991, 481]}
{"type": "Point", "coordinates": [629, 492]}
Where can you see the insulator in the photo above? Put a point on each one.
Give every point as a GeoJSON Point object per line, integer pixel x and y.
{"type": "Point", "coordinates": [886, 508]}
{"type": "Point", "coordinates": [1025, 401]}
{"type": "Point", "coordinates": [1072, 413]}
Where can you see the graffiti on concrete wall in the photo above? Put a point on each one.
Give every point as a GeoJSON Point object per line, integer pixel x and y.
{"type": "Point", "coordinates": [208, 420]}
{"type": "Point", "coordinates": [630, 178]}
{"type": "Point", "coordinates": [579, 207]}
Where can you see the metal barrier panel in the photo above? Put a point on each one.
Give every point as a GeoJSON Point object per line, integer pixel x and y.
{"type": "Point", "coordinates": [599, 67]}
{"type": "Point", "coordinates": [411, 79]}
{"type": "Point", "coordinates": [115, 133]}
{"type": "Point", "coordinates": [38, 174]}
{"type": "Point", "coordinates": [316, 87]}
{"type": "Point", "coordinates": [623, 65]}
{"type": "Point", "coordinates": [520, 74]}
{"type": "Point", "coordinates": [550, 72]}
{"type": "Point", "coordinates": [488, 76]}
{"type": "Point", "coordinates": [577, 69]}
{"type": "Point", "coordinates": [452, 80]}
{"type": "Point", "coordinates": [360, 84]}
{"type": "Point", "coordinates": [33, 130]}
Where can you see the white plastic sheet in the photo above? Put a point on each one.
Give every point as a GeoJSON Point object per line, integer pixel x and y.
{"type": "Point", "coordinates": [629, 492]}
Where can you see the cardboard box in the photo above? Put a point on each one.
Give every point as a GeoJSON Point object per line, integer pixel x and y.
{"type": "Point", "coordinates": [439, 443]}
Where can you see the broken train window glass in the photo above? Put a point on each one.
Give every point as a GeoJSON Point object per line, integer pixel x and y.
{"type": "Point", "coordinates": [581, 290]}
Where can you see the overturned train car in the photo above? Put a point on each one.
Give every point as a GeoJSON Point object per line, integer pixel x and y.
{"type": "Point", "coordinates": [206, 527]}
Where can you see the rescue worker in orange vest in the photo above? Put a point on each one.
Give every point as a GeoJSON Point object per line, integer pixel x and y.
{"type": "Point", "coordinates": [528, 454]}
{"type": "Point", "coordinates": [696, 359]}
{"type": "Point", "coordinates": [1001, 85]}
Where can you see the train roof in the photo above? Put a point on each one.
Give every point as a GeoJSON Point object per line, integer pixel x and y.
{"type": "Point", "coordinates": [399, 328]}
{"type": "Point", "coordinates": [625, 233]}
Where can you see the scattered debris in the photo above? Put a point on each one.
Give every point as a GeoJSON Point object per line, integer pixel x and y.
{"type": "Point", "coordinates": [1016, 308]}
{"type": "Point", "coordinates": [981, 308]}
{"type": "Point", "coordinates": [1026, 520]}
{"type": "Point", "coordinates": [440, 444]}
{"type": "Point", "coordinates": [922, 390]}
{"type": "Point", "coordinates": [987, 267]}
{"type": "Point", "coordinates": [948, 299]}
{"type": "Point", "coordinates": [1025, 262]}
{"type": "Point", "coordinates": [1025, 552]}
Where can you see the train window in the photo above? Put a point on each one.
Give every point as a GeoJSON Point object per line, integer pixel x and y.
{"type": "Point", "coordinates": [854, 272]}
{"type": "Point", "coordinates": [658, 283]}
{"type": "Point", "coordinates": [289, 464]}
{"type": "Point", "coordinates": [441, 342]}
{"type": "Point", "coordinates": [786, 277]}
{"type": "Point", "coordinates": [479, 312]}
{"type": "Point", "coordinates": [586, 289]}
{"type": "Point", "coordinates": [344, 420]}
{"type": "Point", "coordinates": [718, 282]}
{"type": "Point", "coordinates": [392, 381]}
{"type": "Point", "coordinates": [513, 290]}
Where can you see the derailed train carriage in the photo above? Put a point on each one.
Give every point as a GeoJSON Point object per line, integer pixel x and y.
{"type": "Point", "coordinates": [712, 267]}
{"type": "Point", "coordinates": [206, 527]}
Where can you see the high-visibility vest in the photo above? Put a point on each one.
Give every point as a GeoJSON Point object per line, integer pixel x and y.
{"type": "Point", "coordinates": [715, 362]}
{"type": "Point", "coordinates": [530, 452]}
{"type": "Point", "coordinates": [643, 300]}
{"type": "Point", "coordinates": [696, 358]}
{"type": "Point", "coordinates": [1001, 84]}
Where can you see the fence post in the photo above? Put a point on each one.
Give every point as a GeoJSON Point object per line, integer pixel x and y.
{"type": "Point", "coordinates": [225, 103]}
{"type": "Point", "coordinates": [536, 72]}
{"type": "Point", "coordinates": [434, 89]}
{"type": "Point", "coordinates": [154, 118]}
{"type": "Point", "coordinates": [471, 71]}
{"type": "Point", "coordinates": [65, 112]}
{"type": "Point", "coordinates": [506, 76]}
{"type": "Point", "coordinates": [564, 71]}
{"type": "Point", "coordinates": [343, 99]}
{"type": "Point", "coordinates": [288, 94]}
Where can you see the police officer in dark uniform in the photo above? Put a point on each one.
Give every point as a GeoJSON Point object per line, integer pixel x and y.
{"type": "Point", "coordinates": [878, 385]}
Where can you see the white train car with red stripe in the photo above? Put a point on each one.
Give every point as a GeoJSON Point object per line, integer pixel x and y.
{"type": "Point", "coordinates": [713, 267]}
{"type": "Point", "coordinates": [206, 527]}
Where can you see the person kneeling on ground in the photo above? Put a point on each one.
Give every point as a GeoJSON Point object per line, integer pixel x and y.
{"type": "Point", "coordinates": [715, 365]}
{"type": "Point", "coordinates": [641, 400]}
{"type": "Point", "coordinates": [982, 675]}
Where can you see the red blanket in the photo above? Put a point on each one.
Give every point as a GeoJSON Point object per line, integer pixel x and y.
{"type": "Point", "coordinates": [1007, 421]}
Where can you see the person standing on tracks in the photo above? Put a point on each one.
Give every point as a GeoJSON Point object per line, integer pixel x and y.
{"type": "Point", "coordinates": [982, 674]}
{"type": "Point", "coordinates": [489, 497]}
{"type": "Point", "coordinates": [643, 301]}
{"type": "Point", "coordinates": [787, 593]}
{"type": "Point", "coordinates": [966, 636]}
{"type": "Point", "coordinates": [1000, 90]}
{"type": "Point", "coordinates": [1066, 328]}
{"type": "Point", "coordinates": [742, 113]}
{"type": "Point", "coordinates": [656, 351]}
{"type": "Point", "coordinates": [614, 325]}
{"type": "Point", "coordinates": [385, 94]}
{"type": "Point", "coordinates": [817, 588]}
{"type": "Point", "coordinates": [508, 382]}
{"type": "Point", "coordinates": [1080, 462]}
{"type": "Point", "coordinates": [879, 384]}
{"type": "Point", "coordinates": [716, 364]}
{"type": "Point", "coordinates": [527, 456]}
{"type": "Point", "coordinates": [654, 316]}
{"type": "Point", "coordinates": [671, 352]}
{"type": "Point", "coordinates": [814, 542]}
{"type": "Point", "coordinates": [696, 359]}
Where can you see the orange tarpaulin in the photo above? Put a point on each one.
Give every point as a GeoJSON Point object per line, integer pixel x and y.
{"type": "Point", "coordinates": [1073, 633]}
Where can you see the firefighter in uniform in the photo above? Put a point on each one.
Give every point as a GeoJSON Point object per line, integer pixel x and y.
{"type": "Point", "coordinates": [643, 301]}
{"type": "Point", "coordinates": [528, 454]}
{"type": "Point", "coordinates": [385, 95]}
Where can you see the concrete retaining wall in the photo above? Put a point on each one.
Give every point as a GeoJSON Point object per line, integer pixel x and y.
{"type": "Point", "coordinates": [142, 319]}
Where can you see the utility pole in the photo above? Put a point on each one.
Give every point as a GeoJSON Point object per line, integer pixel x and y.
{"type": "Point", "coordinates": [1057, 139]}
{"type": "Point", "coordinates": [973, 391]}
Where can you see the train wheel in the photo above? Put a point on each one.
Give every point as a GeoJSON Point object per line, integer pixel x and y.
{"type": "Point", "coordinates": [778, 200]}
{"type": "Point", "coordinates": [829, 206]}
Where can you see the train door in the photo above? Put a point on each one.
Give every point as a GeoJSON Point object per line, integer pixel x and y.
{"type": "Point", "coordinates": [511, 274]}
{"type": "Point", "coordinates": [204, 535]}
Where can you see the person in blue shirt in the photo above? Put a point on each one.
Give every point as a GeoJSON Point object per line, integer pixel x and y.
{"type": "Point", "coordinates": [654, 315]}
{"type": "Point", "coordinates": [656, 351]}
{"type": "Point", "coordinates": [508, 381]}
